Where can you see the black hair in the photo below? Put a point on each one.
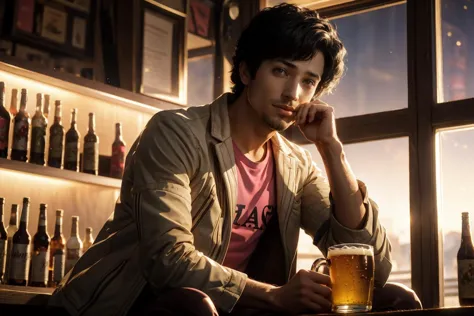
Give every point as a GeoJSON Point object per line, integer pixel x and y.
{"type": "Point", "coordinates": [289, 32]}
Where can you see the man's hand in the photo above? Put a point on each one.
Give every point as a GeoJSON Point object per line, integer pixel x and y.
{"type": "Point", "coordinates": [317, 122]}
{"type": "Point", "coordinates": [306, 292]}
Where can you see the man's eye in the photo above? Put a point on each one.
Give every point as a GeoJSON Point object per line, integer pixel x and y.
{"type": "Point", "coordinates": [310, 82]}
{"type": "Point", "coordinates": [280, 71]}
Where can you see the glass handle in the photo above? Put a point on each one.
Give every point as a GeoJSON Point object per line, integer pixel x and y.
{"type": "Point", "coordinates": [318, 263]}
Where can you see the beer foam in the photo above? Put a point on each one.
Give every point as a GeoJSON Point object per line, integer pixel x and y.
{"type": "Point", "coordinates": [350, 251]}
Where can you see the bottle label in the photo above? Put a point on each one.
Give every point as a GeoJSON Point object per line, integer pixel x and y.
{"type": "Point", "coordinates": [38, 137]}
{"type": "Point", "coordinates": [91, 156]}
{"type": "Point", "coordinates": [39, 266]}
{"type": "Point", "coordinates": [58, 265]}
{"type": "Point", "coordinates": [20, 134]}
{"type": "Point", "coordinates": [466, 278]}
{"type": "Point", "coordinates": [3, 256]}
{"type": "Point", "coordinates": [56, 145]}
{"type": "Point", "coordinates": [118, 159]}
{"type": "Point", "coordinates": [9, 256]}
{"type": "Point", "coordinates": [72, 255]}
{"type": "Point", "coordinates": [3, 133]}
{"type": "Point", "coordinates": [71, 151]}
{"type": "Point", "coordinates": [20, 262]}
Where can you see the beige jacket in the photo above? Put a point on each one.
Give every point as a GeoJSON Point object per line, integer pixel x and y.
{"type": "Point", "coordinates": [172, 224]}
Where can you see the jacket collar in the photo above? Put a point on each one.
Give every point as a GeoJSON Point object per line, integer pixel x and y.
{"type": "Point", "coordinates": [220, 125]}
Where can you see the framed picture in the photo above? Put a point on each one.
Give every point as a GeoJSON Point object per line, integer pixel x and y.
{"type": "Point", "coordinates": [54, 25]}
{"type": "Point", "coordinates": [163, 66]}
{"type": "Point", "coordinates": [25, 14]}
{"type": "Point", "coordinates": [79, 32]}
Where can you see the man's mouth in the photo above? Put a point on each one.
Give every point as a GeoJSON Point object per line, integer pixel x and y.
{"type": "Point", "coordinates": [285, 110]}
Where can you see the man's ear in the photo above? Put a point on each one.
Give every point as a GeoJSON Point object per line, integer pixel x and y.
{"type": "Point", "coordinates": [244, 73]}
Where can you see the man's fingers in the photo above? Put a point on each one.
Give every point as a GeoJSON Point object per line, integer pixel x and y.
{"type": "Point", "coordinates": [306, 113]}
{"type": "Point", "coordinates": [302, 114]}
{"type": "Point", "coordinates": [312, 114]}
{"type": "Point", "coordinates": [323, 290]}
{"type": "Point", "coordinates": [320, 278]}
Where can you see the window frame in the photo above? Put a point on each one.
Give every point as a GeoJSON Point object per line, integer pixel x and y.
{"type": "Point", "coordinates": [420, 121]}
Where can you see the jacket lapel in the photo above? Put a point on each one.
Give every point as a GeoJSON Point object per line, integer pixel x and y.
{"type": "Point", "coordinates": [285, 186]}
{"type": "Point", "coordinates": [227, 173]}
{"type": "Point", "coordinates": [225, 156]}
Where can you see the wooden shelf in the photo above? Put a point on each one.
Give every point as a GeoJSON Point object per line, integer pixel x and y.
{"type": "Point", "coordinates": [85, 87]}
{"type": "Point", "coordinates": [58, 173]}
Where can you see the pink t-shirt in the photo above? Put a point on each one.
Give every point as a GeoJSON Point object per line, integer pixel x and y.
{"type": "Point", "coordinates": [256, 203]}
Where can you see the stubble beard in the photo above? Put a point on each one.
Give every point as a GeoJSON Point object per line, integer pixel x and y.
{"type": "Point", "coordinates": [275, 123]}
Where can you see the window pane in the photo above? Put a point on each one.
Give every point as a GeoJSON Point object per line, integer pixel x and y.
{"type": "Point", "coordinates": [455, 149]}
{"type": "Point", "coordinates": [389, 188]}
{"type": "Point", "coordinates": [376, 63]}
{"type": "Point", "coordinates": [457, 32]}
{"type": "Point", "coordinates": [200, 80]}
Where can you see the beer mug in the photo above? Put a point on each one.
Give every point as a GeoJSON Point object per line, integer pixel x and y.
{"type": "Point", "coordinates": [351, 269]}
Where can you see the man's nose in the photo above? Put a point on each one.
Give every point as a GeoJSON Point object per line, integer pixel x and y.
{"type": "Point", "coordinates": [292, 91]}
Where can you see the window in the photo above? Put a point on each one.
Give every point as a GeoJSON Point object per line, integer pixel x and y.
{"type": "Point", "coordinates": [376, 62]}
{"type": "Point", "coordinates": [455, 164]}
{"type": "Point", "coordinates": [457, 50]}
{"type": "Point", "coordinates": [200, 80]}
{"type": "Point", "coordinates": [383, 166]}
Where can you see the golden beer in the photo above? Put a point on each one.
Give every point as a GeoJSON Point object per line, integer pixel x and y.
{"type": "Point", "coordinates": [351, 269]}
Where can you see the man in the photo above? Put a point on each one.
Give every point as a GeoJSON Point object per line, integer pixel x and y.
{"type": "Point", "coordinates": [213, 197]}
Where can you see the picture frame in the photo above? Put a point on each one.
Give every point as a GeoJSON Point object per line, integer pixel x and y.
{"type": "Point", "coordinates": [78, 37]}
{"type": "Point", "coordinates": [54, 26]}
{"type": "Point", "coordinates": [25, 15]}
{"type": "Point", "coordinates": [162, 60]}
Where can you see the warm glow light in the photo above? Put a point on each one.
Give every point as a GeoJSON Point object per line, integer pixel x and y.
{"type": "Point", "coordinates": [458, 43]}
{"type": "Point", "coordinates": [465, 7]}
{"type": "Point", "coordinates": [33, 180]}
{"type": "Point", "coordinates": [450, 34]}
{"type": "Point", "coordinates": [107, 108]}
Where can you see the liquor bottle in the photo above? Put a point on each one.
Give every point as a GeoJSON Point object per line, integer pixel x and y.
{"type": "Point", "coordinates": [57, 257]}
{"type": "Point", "coordinates": [3, 241]}
{"type": "Point", "coordinates": [465, 262]}
{"type": "Point", "coordinates": [39, 123]}
{"type": "Point", "coordinates": [21, 130]}
{"type": "Point", "coordinates": [56, 138]}
{"type": "Point", "coordinates": [14, 103]}
{"type": "Point", "coordinates": [71, 153]}
{"type": "Point", "coordinates": [40, 254]}
{"type": "Point", "coordinates": [20, 261]}
{"type": "Point", "coordinates": [13, 112]}
{"type": "Point", "coordinates": [5, 120]}
{"type": "Point", "coordinates": [91, 149]}
{"type": "Point", "coordinates": [73, 245]}
{"type": "Point", "coordinates": [11, 230]}
{"type": "Point", "coordinates": [47, 99]}
{"type": "Point", "coordinates": [88, 239]}
{"type": "Point", "coordinates": [117, 163]}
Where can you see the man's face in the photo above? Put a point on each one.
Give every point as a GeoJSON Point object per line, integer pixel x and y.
{"type": "Point", "coordinates": [280, 86]}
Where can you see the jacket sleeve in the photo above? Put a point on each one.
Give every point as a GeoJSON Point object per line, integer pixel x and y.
{"type": "Point", "coordinates": [318, 220]}
{"type": "Point", "coordinates": [166, 159]}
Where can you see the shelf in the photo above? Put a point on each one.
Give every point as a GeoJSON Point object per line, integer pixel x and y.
{"type": "Point", "coordinates": [85, 87]}
{"type": "Point", "coordinates": [73, 6]}
{"type": "Point", "coordinates": [59, 173]}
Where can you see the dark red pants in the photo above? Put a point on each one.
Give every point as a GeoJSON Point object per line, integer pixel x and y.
{"type": "Point", "coordinates": [192, 302]}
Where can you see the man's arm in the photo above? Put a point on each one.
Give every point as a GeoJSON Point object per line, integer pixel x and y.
{"type": "Point", "coordinates": [351, 216]}
{"type": "Point", "coordinates": [349, 207]}
{"type": "Point", "coordinates": [318, 219]}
